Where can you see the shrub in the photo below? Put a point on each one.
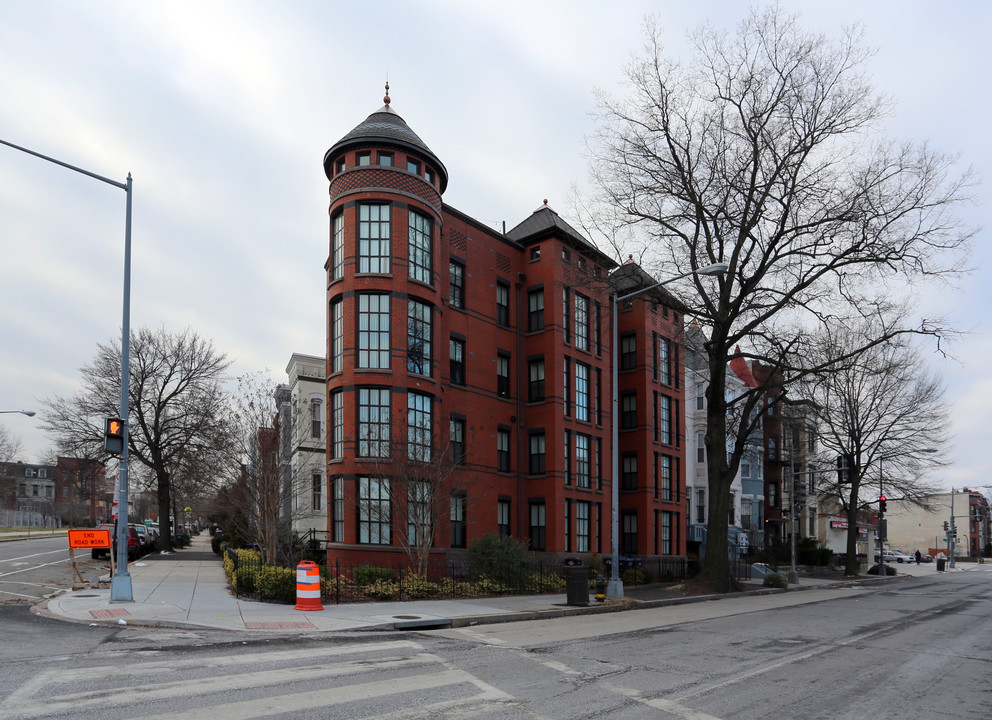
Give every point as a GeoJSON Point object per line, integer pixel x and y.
{"type": "Point", "coordinates": [596, 566]}
{"type": "Point", "coordinates": [776, 580]}
{"type": "Point", "coordinates": [370, 574]}
{"type": "Point", "coordinates": [382, 590]}
{"type": "Point", "coordinates": [889, 570]}
{"type": "Point", "coordinates": [547, 582]}
{"type": "Point", "coordinates": [488, 586]}
{"type": "Point", "coordinates": [418, 587]}
{"type": "Point", "coordinates": [245, 580]}
{"type": "Point", "coordinates": [500, 559]}
{"type": "Point", "coordinates": [635, 576]}
{"type": "Point", "coordinates": [276, 583]}
{"type": "Point", "coordinates": [458, 588]}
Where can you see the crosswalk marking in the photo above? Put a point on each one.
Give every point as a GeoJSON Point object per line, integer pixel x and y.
{"type": "Point", "coordinates": [314, 666]}
{"type": "Point", "coordinates": [160, 668]}
{"type": "Point", "coordinates": [296, 702]}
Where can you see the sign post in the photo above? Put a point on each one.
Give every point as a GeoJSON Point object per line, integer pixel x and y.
{"type": "Point", "coordinates": [97, 538]}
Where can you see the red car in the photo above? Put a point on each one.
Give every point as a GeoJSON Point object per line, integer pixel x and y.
{"type": "Point", "coordinates": [133, 543]}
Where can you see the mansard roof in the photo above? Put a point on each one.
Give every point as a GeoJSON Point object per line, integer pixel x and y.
{"type": "Point", "coordinates": [545, 222]}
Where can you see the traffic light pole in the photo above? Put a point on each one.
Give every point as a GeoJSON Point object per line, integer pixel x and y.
{"type": "Point", "coordinates": [120, 587]}
{"type": "Point", "coordinates": [793, 573]}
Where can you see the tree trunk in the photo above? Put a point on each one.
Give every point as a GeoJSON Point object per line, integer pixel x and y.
{"type": "Point", "coordinates": [851, 566]}
{"type": "Point", "coordinates": [716, 564]}
{"type": "Point", "coordinates": [164, 512]}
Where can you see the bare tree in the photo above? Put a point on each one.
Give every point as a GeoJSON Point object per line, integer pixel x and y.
{"type": "Point", "coordinates": [176, 400]}
{"type": "Point", "coordinates": [762, 153]}
{"type": "Point", "coordinates": [416, 490]}
{"type": "Point", "coordinates": [10, 445]}
{"type": "Point", "coordinates": [257, 478]}
{"type": "Point", "coordinates": [883, 409]}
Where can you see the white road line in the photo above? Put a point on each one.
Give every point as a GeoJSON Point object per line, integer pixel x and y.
{"type": "Point", "coordinates": [65, 552]}
{"type": "Point", "coordinates": [29, 597]}
{"type": "Point", "coordinates": [78, 703]}
{"type": "Point", "coordinates": [248, 658]}
{"type": "Point", "coordinates": [34, 567]}
{"type": "Point", "coordinates": [561, 667]}
{"type": "Point", "coordinates": [669, 706]}
{"type": "Point", "coordinates": [298, 702]}
{"type": "Point", "coordinates": [80, 675]}
{"type": "Point", "coordinates": [774, 666]}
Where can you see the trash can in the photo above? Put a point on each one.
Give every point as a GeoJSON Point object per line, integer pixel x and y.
{"type": "Point", "coordinates": [577, 585]}
{"type": "Point", "coordinates": [940, 564]}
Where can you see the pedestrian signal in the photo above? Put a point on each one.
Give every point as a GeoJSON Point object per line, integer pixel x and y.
{"type": "Point", "coordinates": [113, 436]}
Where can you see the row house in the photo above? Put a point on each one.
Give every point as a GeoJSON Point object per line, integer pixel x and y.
{"type": "Point", "coordinates": [774, 491]}
{"type": "Point", "coordinates": [745, 499]}
{"type": "Point", "coordinates": [303, 443]}
{"type": "Point", "coordinates": [468, 372]}
{"type": "Point", "coordinates": [74, 491]}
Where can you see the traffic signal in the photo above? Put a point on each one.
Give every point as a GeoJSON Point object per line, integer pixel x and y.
{"type": "Point", "coordinates": [800, 493]}
{"type": "Point", "coordinates": [113, 436]}
{"type": "Point", "coordinates": [947, 527]}
{"type": "Point", "coordinates": [881, 505]}
{"type": "Point", "coordinates": [845, 468]}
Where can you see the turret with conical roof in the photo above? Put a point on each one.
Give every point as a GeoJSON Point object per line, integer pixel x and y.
{"type": "Point", "coordinates": [384, 129]}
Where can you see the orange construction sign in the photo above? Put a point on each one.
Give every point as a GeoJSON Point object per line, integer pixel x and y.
{"type": "Point", "coordinates": [95, 538]}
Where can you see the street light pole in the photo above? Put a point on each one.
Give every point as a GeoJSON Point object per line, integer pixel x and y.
{"type": "Point", "coordinates": [952, 533]}
{"type": "Point", "coordinates": [29, 413]}
{"type": "Point", "coordinates": [120, 588]}
{"type": "Point", "coordinates": [614, 587]}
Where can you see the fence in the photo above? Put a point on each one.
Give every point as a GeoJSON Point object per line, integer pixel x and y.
{"type": "Point", "coordinates": [27, 518]}
{"type": "Point", "coordinates": [348, 582]}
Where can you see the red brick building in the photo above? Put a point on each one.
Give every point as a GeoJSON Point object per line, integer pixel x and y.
{"type": "Point", "coordinates": [450, 343]}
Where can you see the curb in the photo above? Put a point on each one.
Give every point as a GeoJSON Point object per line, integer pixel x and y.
{"type": "Point", "coordinates": [441, 622]}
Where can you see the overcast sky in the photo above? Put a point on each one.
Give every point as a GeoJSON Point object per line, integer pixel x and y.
{"type": "Point", "coordinates": [222, 112]}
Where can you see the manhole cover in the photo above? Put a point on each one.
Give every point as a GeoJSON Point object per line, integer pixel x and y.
{"type": "Point", "coordinates": [406, 617]}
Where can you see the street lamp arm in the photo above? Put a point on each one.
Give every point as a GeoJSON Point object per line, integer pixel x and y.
{"type": "Point", "coordinates": [120, 590]}
{"type": "Point", "coordinates": [715, 269]}
{"type": "Point", "coordinates": [29, 413]}
{"type": "Point", "coordinates": [116, 184]}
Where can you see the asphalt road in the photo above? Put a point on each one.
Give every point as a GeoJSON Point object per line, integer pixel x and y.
{"type": "Point", "coordinates": [34, 568]}
{"type": "Point", "coordinates": [914, 647]}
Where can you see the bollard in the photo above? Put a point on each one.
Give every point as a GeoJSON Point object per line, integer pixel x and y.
{"type": "Point", "coordinates": [308, 586]}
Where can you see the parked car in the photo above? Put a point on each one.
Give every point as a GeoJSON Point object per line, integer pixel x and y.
{"type": "Point", "coordinates": [894, 556]}
{"type": "Point", "coordinates": [133, 543]}
{"type": "Point", "coordinates": [152, 536]}
{"type": "Point", "coordinates": [143, 537]}
{"type": "Point", "coordinates": [925, 558]}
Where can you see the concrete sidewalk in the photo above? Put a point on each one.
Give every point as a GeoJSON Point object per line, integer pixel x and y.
{"type": "Point", "coordinates": [188, 589]}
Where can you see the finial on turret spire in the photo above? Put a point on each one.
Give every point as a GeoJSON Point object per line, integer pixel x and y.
{"type": "Point", "coordinates": [386, 99]}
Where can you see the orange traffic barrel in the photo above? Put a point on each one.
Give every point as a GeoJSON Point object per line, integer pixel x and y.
{"type": "Point", "coordinates": [308, 586]}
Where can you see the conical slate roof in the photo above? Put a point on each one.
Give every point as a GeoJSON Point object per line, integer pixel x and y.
{"type": "Point", "coordinates": [385, 127]}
